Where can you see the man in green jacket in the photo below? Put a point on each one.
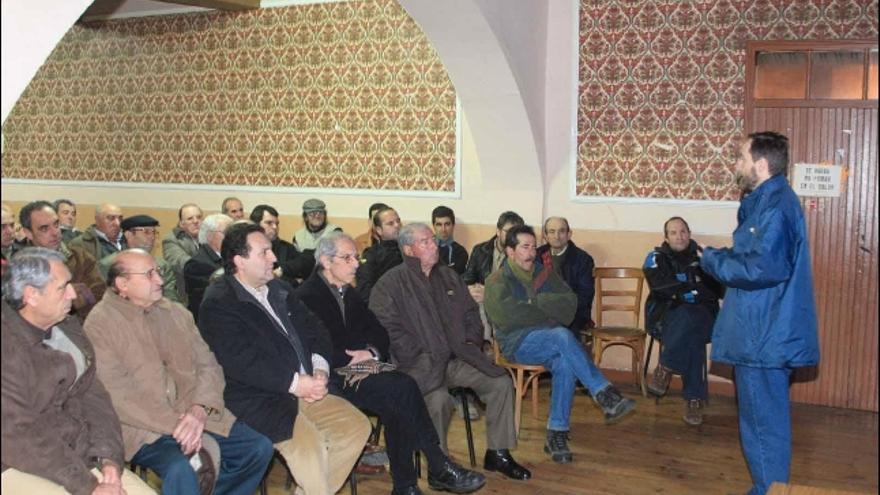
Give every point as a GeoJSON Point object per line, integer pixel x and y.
{"type": "Point", "coordinates": [530, 306]}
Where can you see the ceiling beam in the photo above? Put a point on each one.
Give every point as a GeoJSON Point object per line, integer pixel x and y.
{"type": "Point", "coordinates": [219, 4]}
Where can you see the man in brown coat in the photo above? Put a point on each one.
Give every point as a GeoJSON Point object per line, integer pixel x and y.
{"type": "Point", "coordinates": [166, 385]}
{"type": "Point", "coordinates": [60, 433]}
{"type": "Point", "coordinates": [40, 223]}
{"type": "Point", "coordinates": [436, 337]}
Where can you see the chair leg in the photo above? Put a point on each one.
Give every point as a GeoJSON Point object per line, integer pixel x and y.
{"type": "Point", "coordinates": [465, 408]}
{"type": "Point", "coordinates": [417, 459]}
{"type": "Point", "coordinates": [535, 387]}
{"type": "Point", "coordinates": [647, 360]}
{"type": "Point", "coordinates": [352, 481]}
{"type": "Point", "coordinates": [517, 400]}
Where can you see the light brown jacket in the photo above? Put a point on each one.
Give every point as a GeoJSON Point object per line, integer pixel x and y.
{"type": "Point", "coordinates": [155, 365]}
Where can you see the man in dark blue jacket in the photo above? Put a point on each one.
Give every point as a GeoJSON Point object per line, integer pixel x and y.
{"type": "Point", "coordinates": [767, 325]}
{"type": "Point", "coordinates": [574, 265]}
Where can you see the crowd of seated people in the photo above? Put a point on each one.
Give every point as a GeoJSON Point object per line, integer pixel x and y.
{"type": "Point", "coordinates": [235, 343]}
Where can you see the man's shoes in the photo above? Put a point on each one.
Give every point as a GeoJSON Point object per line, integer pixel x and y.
{"type": "Point", "coordinates": [500, 460]}
{"type": "Point", "coordinates": [693, 412]}
{"type": "Point", "coordinates": [614, 405]}
{"type": "Point", "coordinates": [557, 446]}
{"type": "Point", "coordinates": [454, 478]}
{"type": "Point", "coordinates": [659, 383]}
{"type": "Point", "coordinates": [368, 469]}
{"type": "Point", "coordinates": [410, 490]}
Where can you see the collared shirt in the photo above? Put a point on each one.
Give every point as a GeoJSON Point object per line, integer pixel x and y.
{"type": "Point", "coordinates": [58, 340]}
{"type": "Point", "coordinates": [261, 294]}
{"type": "Point", "coordinates": [116, 242]}
{"type": "Point", "coordinates": [497, 259]}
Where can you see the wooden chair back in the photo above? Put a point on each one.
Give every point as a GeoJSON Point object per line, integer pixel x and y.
{"type": "Point", "coordinates": [608, 281]}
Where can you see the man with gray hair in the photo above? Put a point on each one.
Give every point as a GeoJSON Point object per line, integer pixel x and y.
{"type": "Point", "coordinates": [104, 237]}
{"type": "Point", "coordinates": [437, 336]}
{"type": "Point", "coordinates": [60, 432]}
{"type": "Point", "coordinates": [233, 208]}
{"type": "Point", "coordinates": [198, 270]}
{"type": "Point", "coordinates": [67, 216]}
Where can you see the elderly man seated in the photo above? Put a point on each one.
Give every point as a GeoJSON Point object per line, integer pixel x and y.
{"type": "Point", "coordinates": [531, 307]}
{"type": "Point", "coordinates": [198, 270]}
{"type": "Point", "coordinates": [436, 337]}
{"type": "Point", "coordinates": [60, 433]}
{"type": "Point", "coordinates": [167, 387]}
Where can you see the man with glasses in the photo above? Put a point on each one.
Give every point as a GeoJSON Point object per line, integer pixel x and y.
{"type": "Point", "coordinates": [315, 225]}
{"type": "Point", "coordinates": [200, 268]}
{"type": "Point", "coordinates": [140, 232]}
{"type": "Point", "coordinates": [167, 388]}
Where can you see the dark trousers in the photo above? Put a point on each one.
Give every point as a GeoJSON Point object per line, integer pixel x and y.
{"type": "Point", "coordinates": [244, 456]}
{"type": "Point", "coordinates": [686, 330]}
{"type": "Point", "coordinates": [396, 399]}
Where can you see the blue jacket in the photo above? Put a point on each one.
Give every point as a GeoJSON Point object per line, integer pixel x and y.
{"type": "Point", "coordinates": [768, 319]}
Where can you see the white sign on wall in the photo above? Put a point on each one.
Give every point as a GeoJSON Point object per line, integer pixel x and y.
{"type": "Point", "coordinates": [811, 179]}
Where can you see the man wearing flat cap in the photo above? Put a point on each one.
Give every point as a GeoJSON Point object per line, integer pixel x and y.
{"type": "Point", "coordinates": [315, 225]}
{"type": "Point", "coordinates": [141, 231]}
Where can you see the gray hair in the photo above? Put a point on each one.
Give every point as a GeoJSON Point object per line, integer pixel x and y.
{"type": "Point", "coordinates": [406, 237]}
{"type": "Point", "coordinates": [327, 246]}
{"type": "Point", "coordinates": [211, 223]}
{"type": "Point", "coordinates": [28, 267]}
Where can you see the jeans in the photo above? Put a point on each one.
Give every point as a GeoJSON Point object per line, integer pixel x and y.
{"type": "Point", "coordinates": [244, 456]}
{"type": "Point", "coordinates": [686, 329]}
{"type": "Point", "coordinates": [557, 350]}
{"type": "Point", "coordinates": [764, 424]}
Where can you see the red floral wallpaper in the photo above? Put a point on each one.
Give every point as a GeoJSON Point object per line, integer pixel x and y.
{"type": "Point", "coordinates": [336, 95]}
{"type": "Point", "coordinates": [662, 85]}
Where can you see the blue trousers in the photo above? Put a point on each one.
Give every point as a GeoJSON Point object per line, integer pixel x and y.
{"type": "Point", "coordinates": [244, 456]}
{"type": "Point", "coordinates": [557, 350]}
{"type": "Point", "coordinates": [764, 424]}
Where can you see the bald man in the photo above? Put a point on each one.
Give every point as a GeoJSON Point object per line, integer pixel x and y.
{"type": "Point", "coordinates": [104, 237]}
{"type": "Point", "coordinates": [574, 265]}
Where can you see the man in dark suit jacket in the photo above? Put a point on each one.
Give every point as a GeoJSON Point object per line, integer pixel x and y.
{"type": "Point", "coordinates": [357, 336]}
{"type": "Point", "coordinates": [274, 353]}
{"type": "Point", "coordinates": [198, 270]}
{"type": "Point", "coordinates": [291, 265]}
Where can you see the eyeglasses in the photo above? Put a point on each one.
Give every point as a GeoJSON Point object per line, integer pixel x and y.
{"type": "Point", "coordinates": [316, 213]}
{"type": "Point", "coordinates": [347, 258]}
{"type": "Point", "coordinates": [145, 230]}
{"type": "Point", "coordinates": [149, 273]}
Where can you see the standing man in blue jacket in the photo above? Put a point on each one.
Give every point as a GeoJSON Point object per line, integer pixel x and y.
{"type": "Point", "coordinates": [767, 325]}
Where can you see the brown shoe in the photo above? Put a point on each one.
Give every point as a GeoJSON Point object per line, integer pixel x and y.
{"type": "Point", "coordinates": [660, 381]}
{"type": "Point", "coordinates": [693, 412]}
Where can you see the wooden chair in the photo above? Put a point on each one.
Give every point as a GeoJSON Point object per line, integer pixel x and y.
{"type": "Point", "coordinates": [629, 336]}
{"type": "Point", "coordinates": [523, 375]}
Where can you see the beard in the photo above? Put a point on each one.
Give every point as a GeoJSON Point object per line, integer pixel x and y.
{"type": "Point", "coordinates": [319, 228]}
{"type": "Point", "coordinates": [747, 182]}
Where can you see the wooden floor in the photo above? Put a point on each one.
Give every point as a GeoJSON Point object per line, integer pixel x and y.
{"type": "Point", "coordinates": [655, 452]}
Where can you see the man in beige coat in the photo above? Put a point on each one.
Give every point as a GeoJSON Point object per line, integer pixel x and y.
{"type": "Point", "coordinates": [166, 386]}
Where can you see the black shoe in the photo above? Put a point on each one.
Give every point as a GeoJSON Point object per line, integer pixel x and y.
{"type": "Point", "coordinates": [614, 405]}
{"type": "Point", "coordinates": [410, 490]}
{"type": "Point", "coordinates": [456, 479]}
{"type": "Point", "coordinates": [500, 460]}
{"type": "Point", "coordinates": [557, 446]}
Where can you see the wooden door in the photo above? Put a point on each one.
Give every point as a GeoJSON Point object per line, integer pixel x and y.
{"type": "Point", "coordinates": [843, 236]}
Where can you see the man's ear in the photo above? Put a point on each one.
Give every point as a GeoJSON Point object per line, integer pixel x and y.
{"type": "Point", "coordinates": [27, 295]}
{"type": "Point", "coordinates": [407, 250]}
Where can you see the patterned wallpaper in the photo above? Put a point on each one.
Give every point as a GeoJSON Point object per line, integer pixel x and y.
{"type": "Point", "coordinates": [662, 87]}
{"type": "Point", "coordinates": [333, 95]}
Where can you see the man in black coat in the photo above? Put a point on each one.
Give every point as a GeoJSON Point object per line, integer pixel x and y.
{"type": "Point", "coordinates": [274, 353]}
{"type": "Point", "coordinates": [198, 270]}
{"type": "Point", "coordinates": [381, 256]}
{"type": "Point", "coordinates": [574, 265]}
{"type": "Point", "coordinates": [680, 311]}
{"type": "Point", "coordinates": [358, 336]}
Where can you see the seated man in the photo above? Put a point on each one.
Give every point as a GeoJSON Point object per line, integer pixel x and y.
{"type": "Point", "coordinates": [140, 232]}
{"type": "Point", "coordinates": [198, 270]}
{"type": "Point", "coordinates": [315, 226]}
{"type": "Point", "coordinates": [182, 243]}
{"type": "Point", "coordinates": [40, 223]}
{"type": "Point", "coordinates": [680, 312]}
{"type": "Point", "coordinates": [452, 253]}
{"type": "Point", "coordinates": [436, 337]}
{"type": "Point", "coordinates": [368, 238]}
{"type": "Point", "coordinates": [290, 264]}
{"type": "Point", "coordinates": [383, 255]}
{"type": "Point", "coordinates": [233, 208]}
{"type": "Point", "coordinates": [60, 433]}
{"type": "Point", "coordinates": [357, 336]}
{"type": "Point", "coordinates": [274, 354]}
{"type": "Point", "coordinates": [531, 306]}
{"type": "Point", "coordinates": [8, 244]}
{"type": "Point", "coordinates": [104, 237]}
{"type": "Point", "coordinates": [166, 386]}
{"type": "Point", "coordinates": [574, 265]}
{"type": "Point", "coordinates": [67, 216]}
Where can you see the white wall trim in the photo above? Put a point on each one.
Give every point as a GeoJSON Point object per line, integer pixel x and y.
{"type": "Point", "coordinates": [686, 203]}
